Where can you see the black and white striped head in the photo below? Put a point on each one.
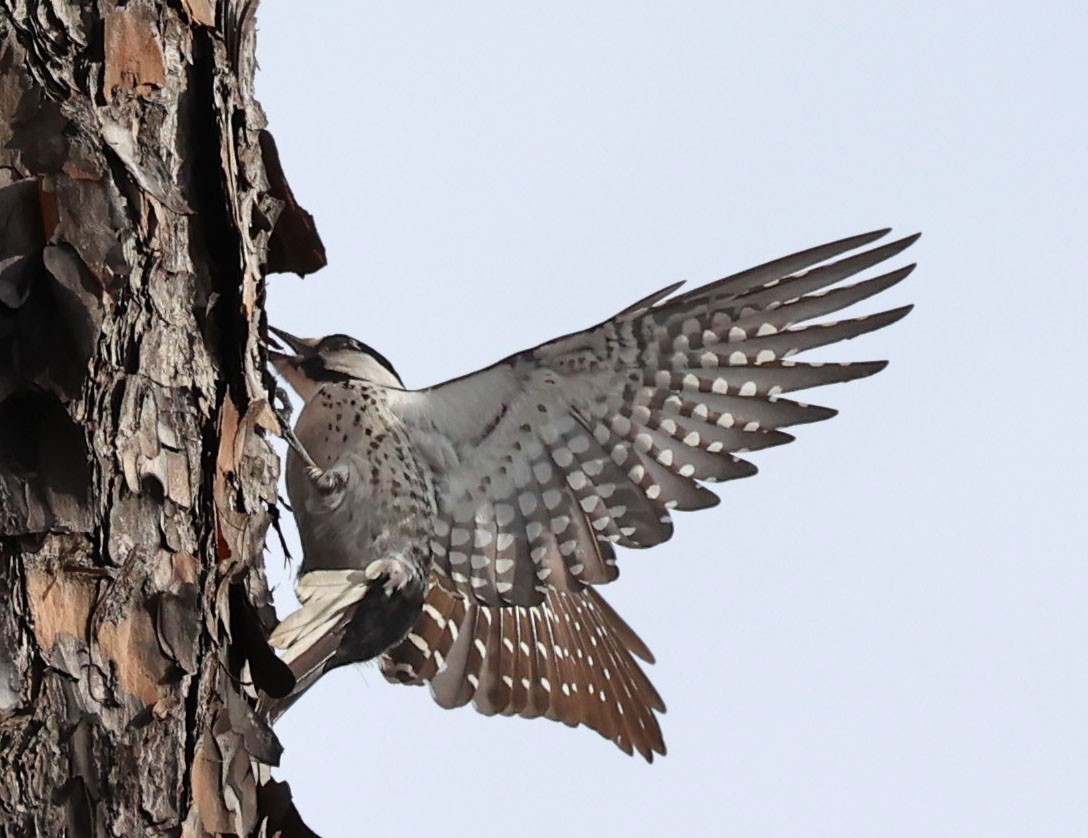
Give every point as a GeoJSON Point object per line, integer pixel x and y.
{"type": "Point", "coordinates": [335, 358]}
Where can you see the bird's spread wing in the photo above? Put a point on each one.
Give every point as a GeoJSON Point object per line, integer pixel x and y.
{"type": "Point", "coordinates": [548, 458]}
{"type": "Point", "coordinates": [571, 659]}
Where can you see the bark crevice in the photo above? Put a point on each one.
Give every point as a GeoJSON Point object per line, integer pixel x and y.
{"type": "Point", "coordinates": [137, 218]}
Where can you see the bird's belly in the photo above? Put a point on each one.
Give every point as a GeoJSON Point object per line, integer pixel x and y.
{"type": "Point", "coordinates": [372, 518]}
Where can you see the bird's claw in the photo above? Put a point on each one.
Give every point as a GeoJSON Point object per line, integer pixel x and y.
{"type": "Point", "coordinates": [397, 574]}
{"type": "Point", "coordinates": [327, 481]}
{"type": "Point", "coordinates": [281, 406]}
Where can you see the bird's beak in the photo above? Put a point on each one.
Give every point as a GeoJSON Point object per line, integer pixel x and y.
{"type": "Point", "coordinates": [300, 346]}
{"type": "Point", "coordinates": [290, 364]}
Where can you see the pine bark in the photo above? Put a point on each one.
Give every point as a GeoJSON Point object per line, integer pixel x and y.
{"type": "Point", "coordinates": [141, 206]}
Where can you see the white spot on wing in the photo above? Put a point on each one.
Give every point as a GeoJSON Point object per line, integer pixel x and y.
{"type": "Point", "coordinates": [527, 503]}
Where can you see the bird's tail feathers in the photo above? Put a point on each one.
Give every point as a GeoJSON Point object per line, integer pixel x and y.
{"type": "Point", "coordinates": [310, 637]}
{"type": "Point", "coordinates": [325, 596]}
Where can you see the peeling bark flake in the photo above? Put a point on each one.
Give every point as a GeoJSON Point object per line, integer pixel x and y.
{"type": "Point", "coordinates": [200, 11]}
{"type": "Point", "coordinates": [133, 54]}
{"type": "Point", "coordinates": [60, 604]}
{"type": "Point", "coordinates": [131, 646]}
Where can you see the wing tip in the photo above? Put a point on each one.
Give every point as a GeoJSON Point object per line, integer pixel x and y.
{"type": "Point", "coordinates": [871, 236]}
{"type": "Point", "coordinates": [898, 275]}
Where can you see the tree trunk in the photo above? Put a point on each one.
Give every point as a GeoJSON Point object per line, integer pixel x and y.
{"type": "Point", "coordinates": [141, 206]}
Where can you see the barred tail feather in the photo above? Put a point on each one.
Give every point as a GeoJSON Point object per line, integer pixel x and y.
{"type": "Point", "coordinates": [570, 659]}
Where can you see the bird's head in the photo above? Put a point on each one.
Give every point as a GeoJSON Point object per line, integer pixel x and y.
{"type": "Point", "coordinates": [314, 362]}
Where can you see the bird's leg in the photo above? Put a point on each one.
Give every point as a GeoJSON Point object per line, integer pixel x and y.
{"type": "Point", "coordinates": [293, 441]}
{"type": "Point", "coordinates": [312, 468]}
{"type": "Point", "coordinates": [281, 406]}
{"type": "Point", "coordinates": [329, 480]}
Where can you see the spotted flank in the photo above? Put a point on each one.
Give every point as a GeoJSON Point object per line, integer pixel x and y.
{"type": "Point", "coordinates": [570, 659]}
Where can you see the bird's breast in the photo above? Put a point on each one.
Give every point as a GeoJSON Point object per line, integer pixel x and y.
{"type": "Point", "coordinates": [385, 505]}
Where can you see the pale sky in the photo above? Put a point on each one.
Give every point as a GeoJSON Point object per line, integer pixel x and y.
{"type": "Point", "coordinates": [882, 633]}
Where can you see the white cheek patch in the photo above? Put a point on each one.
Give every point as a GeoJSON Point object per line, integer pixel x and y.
{"type": "Point", "coordinates": [296, 378]}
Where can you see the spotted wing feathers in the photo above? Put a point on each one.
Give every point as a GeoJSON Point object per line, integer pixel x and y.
{"type": "Point", "coordinates": [550, 457]}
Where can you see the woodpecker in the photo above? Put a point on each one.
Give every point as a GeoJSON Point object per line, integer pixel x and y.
{"type": "Point", "coordinates": [457, 531]}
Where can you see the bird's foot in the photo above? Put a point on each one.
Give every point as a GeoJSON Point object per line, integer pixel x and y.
{"type": "Point", "coordinates": [328, 481]}
{"type": "Point", "coordinates": [398, 574]}
{"type": "Point", "coordinates": [281, 406]}
{"type": "Point", "coordinates": [283, 414]}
